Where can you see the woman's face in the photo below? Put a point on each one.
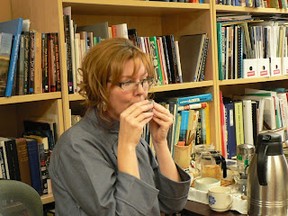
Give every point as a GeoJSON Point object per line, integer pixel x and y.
{"type": "Point", "coordinates": [120, 99]}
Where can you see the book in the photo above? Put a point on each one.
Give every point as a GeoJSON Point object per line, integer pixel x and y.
{"type": "Point", "coordinates": [182, 101]}
{"type": "Point", "coordinates": [20, 68]}
{"type": "Point", "coordinates": [23, 160]}
{"type": "Point", "coordinates": [40, 128]}
{"type": "Point", "coordinates": [184, 124]}
{"type": "Point", "coordinates": [203, 61]}
{"type": "Point", "coordinates": [154, 54]}
{"type": "Point", "coordinates": [120, 30]}
{"type": "Point", "coordinates": [5, 52]}
{"type": "Point", "coordinates": [12, 158]}
{"type": "Point", "coordinates": [230, 127]}
{"type": "Point", "coordinates": [13, 27]}
{"type": "Point", "coordinates": [67, 31]}
{"type": "Point", "coordinates": [34, 164]}
{"type": "Point", "coordinates": [170, 42]}
{"type": "Point", "coordinates": [238, 118]}
{"type": "Point", "coordinates": [191, 48]}
{"type": "Point", "coordinates": [43, 151]}
{"type": "Point", "coordinates": [248, 122]}
{"type": "Point", "coordinates": [4, 163]}
{"type": "Point", "coordinates": [98, 29]}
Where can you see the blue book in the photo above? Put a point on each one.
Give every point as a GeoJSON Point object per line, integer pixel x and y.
{"type": "Point", "coordinates": [184, 124]}
{"type": "Point", "coordinates": [34, 164]}
{"type": "Point", "coordinates": [13, 27]}
{"type": "Point", "coordinates": [182, 101]}
{"type": "Point", "coordinates": [230, 127]}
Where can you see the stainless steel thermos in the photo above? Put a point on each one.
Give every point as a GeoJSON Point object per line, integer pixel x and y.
{"type": "Point", "coordinates": [267, 177]}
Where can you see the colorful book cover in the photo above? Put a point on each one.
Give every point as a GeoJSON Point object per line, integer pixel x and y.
{"type": "Point", "coordinates": [13, 27]}
{"type": "Point", "coordinates": [5, 52]}
{"type": "Point", "coordinates": [182, 101]}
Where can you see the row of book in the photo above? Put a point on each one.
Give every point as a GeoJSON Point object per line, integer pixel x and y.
{"type": "Point", "coordinates": [245, 116]}
{"type": "Point", "coordinates": [253, 47]}
{"type": "Point", "coordinates": [29, 60]}
{"type": "Point", "coordinates": [191, 121]}
{"type": "Point", "coordinates": [279, 4]}
{"type": "Point", "coordinates": [26, 158]}
{"type": "Point", "coordinates": [175, 61]}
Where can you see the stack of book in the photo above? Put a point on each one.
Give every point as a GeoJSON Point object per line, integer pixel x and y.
{"type": "Point", "coordinates": [174, 61]}
{"type": "Point", "coordinates": [26, 158]}
{"type": "Point", "coordinates": [257, 111]}
{"type": "Point", "coordinates": [29, 60]}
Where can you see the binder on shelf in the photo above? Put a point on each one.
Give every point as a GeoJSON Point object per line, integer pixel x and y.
{"type": "Point", "coordinates": [250, 67]}
{"type": "Point", "coordinates": [275, 66]}
{"type": "Point", "coordinates": [263, 67]}
{"type": "Point", "coordinates": [285, 66]}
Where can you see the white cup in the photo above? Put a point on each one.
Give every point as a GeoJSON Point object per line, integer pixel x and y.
{"type": "Point", "coordinates": [204, 183]}
{"type": "Point", "coordinates": [219, 198]}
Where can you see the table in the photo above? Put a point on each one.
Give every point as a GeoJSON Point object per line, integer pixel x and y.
{"type": "Point", "coordinates": [195, 208]}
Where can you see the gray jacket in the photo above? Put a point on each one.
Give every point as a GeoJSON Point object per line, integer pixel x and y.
{"type": "Point", "coordinates": [85, 179]}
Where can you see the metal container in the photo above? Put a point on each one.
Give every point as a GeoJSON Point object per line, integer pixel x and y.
{"type": "Point", "coordinates": [267, 178]}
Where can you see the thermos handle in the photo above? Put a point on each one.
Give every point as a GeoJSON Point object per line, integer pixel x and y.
{"type": "Point", "coordinates": [224, 166]}
{"type": "Point", "coordinates": [262, 164]}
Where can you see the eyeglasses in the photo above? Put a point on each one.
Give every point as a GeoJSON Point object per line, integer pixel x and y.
{"type": "Point", "coordinates": [131, 85]}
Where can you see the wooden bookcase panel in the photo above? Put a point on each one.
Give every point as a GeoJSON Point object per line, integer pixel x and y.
{"type": "Point", "coordinates": [13, 115]}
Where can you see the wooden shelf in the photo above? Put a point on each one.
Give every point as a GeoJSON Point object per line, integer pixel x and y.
{"type": "Point", "coordinates": [29, 98]}
{"type": "Point", "coordinates": [129, 7]}
{"type": "Point", "coordinates": [252, 80]}
{"type": "Point", "coordinates": [48, 198]}
{"type": "Point", "coordinates": [241, 9]}
{"type": "Point", "coordinates": [180, 86]}
{"type": "Point", "coordinates": [75, 97]}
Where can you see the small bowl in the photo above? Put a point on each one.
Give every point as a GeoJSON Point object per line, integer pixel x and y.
{"type": "Point", "coordinates": [203, 184]}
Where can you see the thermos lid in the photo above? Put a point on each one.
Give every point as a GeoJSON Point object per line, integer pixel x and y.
{"type": "Point", "coordinates": [245, 149]}
{"type": "Point", "coordinates": [273, 142]}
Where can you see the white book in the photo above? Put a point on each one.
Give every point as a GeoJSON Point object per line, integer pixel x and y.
{"type": "Point", "coordinates": [247, 121]}
{"type": "Point", "coordinates": [2, 144]}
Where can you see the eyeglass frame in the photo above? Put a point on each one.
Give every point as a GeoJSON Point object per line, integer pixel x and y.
{"type": "Point", "coordinates": [150, 82]}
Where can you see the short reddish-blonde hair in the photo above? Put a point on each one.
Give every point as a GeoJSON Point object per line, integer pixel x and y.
{"type": "Point", "coordinates": [104, 62]}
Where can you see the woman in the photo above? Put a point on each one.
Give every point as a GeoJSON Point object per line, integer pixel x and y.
{"type": "Point", "coordinates": [101, 165]}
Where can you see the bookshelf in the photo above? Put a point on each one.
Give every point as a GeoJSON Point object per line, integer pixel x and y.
{"type": "Point", "coordinates": [149, 18]}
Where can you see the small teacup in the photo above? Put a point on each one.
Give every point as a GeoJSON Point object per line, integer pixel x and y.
{"type": "Point", "coordinates": [219, 198]}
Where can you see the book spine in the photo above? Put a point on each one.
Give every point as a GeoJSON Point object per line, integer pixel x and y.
{"type": "Point", "coordinates": [238, 114]}
{"type": "Point", "coordinates": [13, 60]}
{"type": "Point", "coordinates": [45, 75]}
{"type": "Point", "coordinates": [43, 168]}
{"type": "Point", "coordinates": [230, 127]}
{"type": "Point", "coordinates": [12, 159]}
{"type": "Point", "coordinates": [23, 160]}
{"type": "Point", "coordinates": [33, 154]}
{"type": "Point", "coordinates": [154, 53]}
{"type": "Point", "coordinates": [51, 63]}
{"type": "Point", "coordinates": [166, 54]}
{"type": "Point", "coordinates": [5, 52]}
{"type": "Point", "coordinates": [31, 63]}
{"type": "Point", "coordinates": [69, 54]}
{"type": "Point", "coordinates": [20, 71]}
{"type": "Point", "coordinates": [2, 164]}
{"type": "Point", "coordinates": [182, 101]}
{"type": "Point", "coordinates": [38, 59]}
{"type": "Point", "coordinates": [26, 61]}
{"type": "Point", "coordinates": [57, 62]}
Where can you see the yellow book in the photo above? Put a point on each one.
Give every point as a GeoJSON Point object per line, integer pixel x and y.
{"type": "Point", "coordinates": [239, 129]}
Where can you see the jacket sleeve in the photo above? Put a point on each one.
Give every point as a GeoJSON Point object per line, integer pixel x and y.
{"type": "Point", "coordinates": [173, 195]}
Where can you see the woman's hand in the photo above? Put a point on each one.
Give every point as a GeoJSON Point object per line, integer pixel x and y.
{"type": "Point", "coordinates": [160, 124]}
{"type": "Point", "coordinates": [132, 122]}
